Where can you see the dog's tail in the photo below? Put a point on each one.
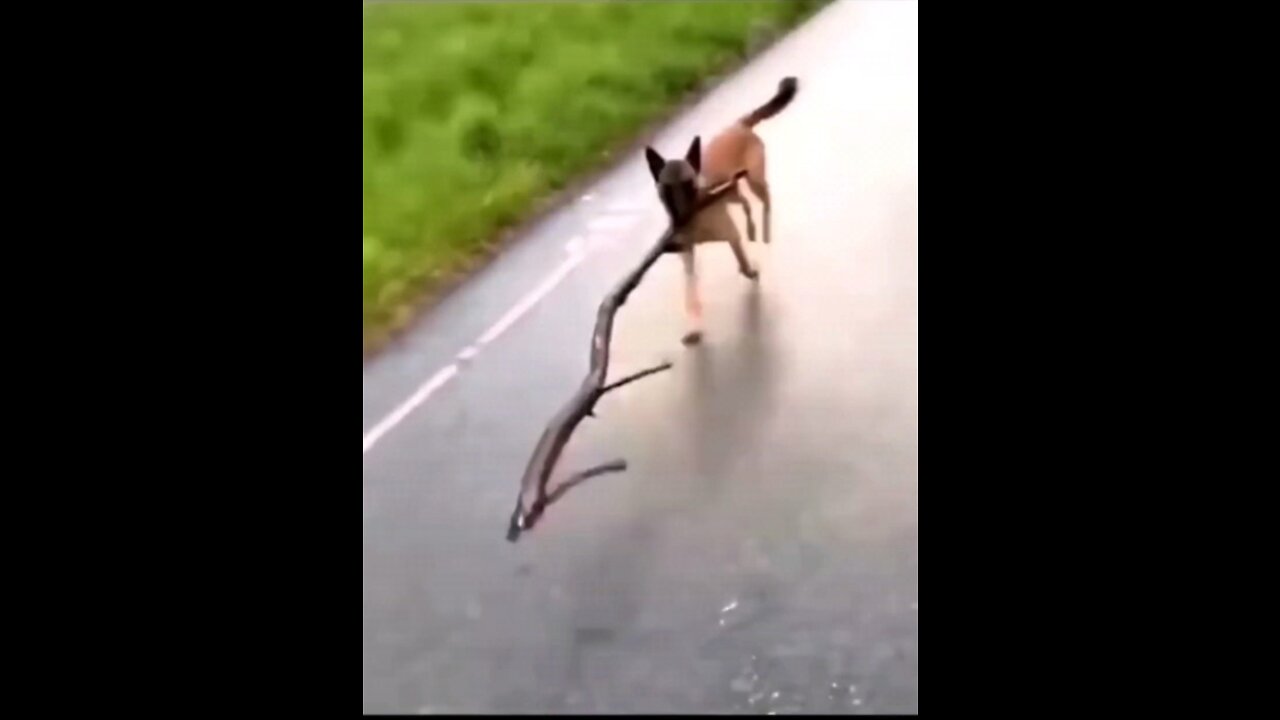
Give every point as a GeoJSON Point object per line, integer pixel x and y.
{"type": "Point", "coordinates": [786, 93]}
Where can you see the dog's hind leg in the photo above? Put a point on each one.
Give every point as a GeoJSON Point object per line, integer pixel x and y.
{"type": "Point", "coordinates": [760, 187]}
{"type": "Point", "coordinates": [744, 263]}
{"type": "Point", "coordinates": [746, 211]}
{"type": "Point", "coordinates": [758, 181]}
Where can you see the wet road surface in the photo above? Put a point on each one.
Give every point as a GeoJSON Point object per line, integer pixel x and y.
{"type": "Point", "coordinates": [761, 554]}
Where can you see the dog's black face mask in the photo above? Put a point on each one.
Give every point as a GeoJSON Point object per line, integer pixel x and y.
{"type": "Point", "coordinates": [677, 180]}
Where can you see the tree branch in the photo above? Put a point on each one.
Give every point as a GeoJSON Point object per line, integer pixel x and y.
{"type": "Point", "coordinates": [533, 499]}
{"type": "Point", "coordinates": [581, 477]}
{"type": "Point", "coordinates": [636, 376]}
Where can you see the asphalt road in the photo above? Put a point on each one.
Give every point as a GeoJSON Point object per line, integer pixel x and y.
{"type": "Point", "coordinates": [762, 552]}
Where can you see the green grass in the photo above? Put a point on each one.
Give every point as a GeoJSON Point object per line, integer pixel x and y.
{"type": "Point", "coordinates": [475, 112]}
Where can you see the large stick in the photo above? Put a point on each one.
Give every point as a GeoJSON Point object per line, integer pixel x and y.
{"type": "Point", "coordinates": [534, 499]}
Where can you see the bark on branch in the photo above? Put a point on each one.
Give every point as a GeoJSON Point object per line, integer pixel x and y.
{"type": "Point", "coordinates": [534, 498]}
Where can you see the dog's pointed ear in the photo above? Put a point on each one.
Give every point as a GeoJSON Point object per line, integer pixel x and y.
{"type": "Point", "coordinates": [656, 162]}
{"type": "Point", "coordinates": [694, 156]}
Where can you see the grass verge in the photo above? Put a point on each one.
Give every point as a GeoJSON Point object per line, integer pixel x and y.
{"type": "Point", "coordinates": [475, 112]}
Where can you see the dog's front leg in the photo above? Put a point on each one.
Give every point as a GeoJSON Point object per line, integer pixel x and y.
{"type": "Point", "coordinates": [692, 303]}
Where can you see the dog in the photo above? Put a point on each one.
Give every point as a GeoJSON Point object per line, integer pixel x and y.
{"type": "Point", "coordinates": [681, 183]}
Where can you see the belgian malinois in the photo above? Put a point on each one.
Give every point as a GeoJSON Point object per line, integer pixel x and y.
{"type": "Point", "coordinates": [682, 182]}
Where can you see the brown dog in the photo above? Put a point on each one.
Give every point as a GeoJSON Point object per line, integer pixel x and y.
{"type": "Point", "coordinates": [682, 182]}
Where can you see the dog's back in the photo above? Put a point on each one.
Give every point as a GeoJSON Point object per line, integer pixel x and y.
{"type": "Point", "coordinates": [738, 147]}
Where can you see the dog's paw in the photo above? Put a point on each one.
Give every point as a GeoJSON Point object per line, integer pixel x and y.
{"type": "Point", "coordinates": [693, 337]}
{"type": "Point", "coordinates": [750, 273]}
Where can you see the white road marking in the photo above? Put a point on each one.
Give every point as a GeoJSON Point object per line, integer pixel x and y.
{"type": "Point", "coordinates": [437, 381]}
{"type": "Point", "coordinates": [608, 223]}
{"type": "Point", "coordinates": [419, 396]}
{"type": "Point", "coordinates": [528, 301]}
{"type": "Point", "coordinates": [602, 230]}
